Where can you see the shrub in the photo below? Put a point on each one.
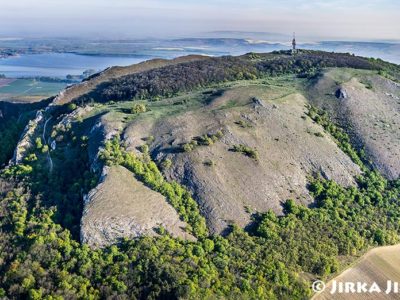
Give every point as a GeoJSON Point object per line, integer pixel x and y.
{"type": "Point", "coordinates": [209, 163]}
{"type": "Point", "coordinates": [319, 134]}
{"type": "Point", "coordinates": [139, 108]}
{"type": "Point", "coordinates": [72, 106]}
{"type": "Point", "coordinates": [252, 153]}
{"type": "Point", "coordinates": [166, 164]}
{"type": "Point", "coordinates": [45, 149]}
{"type": "Point", "coordinates": [144, 148]}
{"type": "Point", "coordinates": [243, 124]}
{"type": "Point", "coordinates": [188, 147]}
{"type": "Point", "coordinates": [38, 143]}
{"type": "Point", "coordinates": [205, 140]}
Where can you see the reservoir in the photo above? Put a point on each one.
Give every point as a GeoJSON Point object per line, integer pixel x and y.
{"type": "Point", "coordinates": [60, 64]}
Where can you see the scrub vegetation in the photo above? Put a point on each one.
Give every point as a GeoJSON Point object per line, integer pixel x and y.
{"type": "Point", "coordinates": [41, 259]}
{"type": "Point", "coordinates": [276, 257]}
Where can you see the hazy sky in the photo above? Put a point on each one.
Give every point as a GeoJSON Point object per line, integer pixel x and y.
{"type": "Point", "coordinates": [329, 19]}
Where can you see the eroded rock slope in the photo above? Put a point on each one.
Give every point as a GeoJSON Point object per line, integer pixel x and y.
{"type": "Point", "coordinates": [370, 112]}
{"type": "Point", "coordinates": [228, 185]}
{"type": "Point", "coordinates": [122, 207]}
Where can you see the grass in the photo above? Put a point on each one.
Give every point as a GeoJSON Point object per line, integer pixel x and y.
{"type": "Point", "coordinates": [269, 89]}
{"type": "Point", "coordinates": [121, 111]}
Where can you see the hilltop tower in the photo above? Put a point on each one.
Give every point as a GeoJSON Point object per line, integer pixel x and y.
{"type": "Point", "coordinates": [294, 50]}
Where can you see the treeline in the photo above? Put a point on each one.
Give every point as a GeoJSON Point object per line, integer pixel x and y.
{"type": "Point", "coordinates": [170, 80]}
{"type": "Point", "coordinates": [307, 63]}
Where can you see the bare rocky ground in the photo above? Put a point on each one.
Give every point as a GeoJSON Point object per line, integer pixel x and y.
{"type": "Point", "coordinates": [122, 207]}
{"type": "Point", "coordinates": [234, 185]}
{"type": "Point", "coordinates": [370, 112]}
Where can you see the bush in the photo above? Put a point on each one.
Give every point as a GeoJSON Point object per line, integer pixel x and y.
{"type": "Point", "coordinates": [72, 107]}
{"type": "Point", "coordinates": [38, 143]}
{"type": "Point", "coordinates": [139, 108]}
{"type": "Point", "coordinates": [252, 153]}
{"type": "Point", "coordinates": [205, 140]}
{"type": "Point", "coordinates": [166, 164]}
{"type": "Point", "coordinates": [319, 134]}
{"type": "Point", "coordinates": [209, 163]}
{"type": "Point", "coordinates": [188, 147]}
{"type": "Point", "coordinates": [144, 149]}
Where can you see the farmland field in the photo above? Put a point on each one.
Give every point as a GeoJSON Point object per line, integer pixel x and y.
{"type": "Point", "coordinates": [6, 81]}
{"type": "Point", "coordinates": [28, 90]}
{"type": "Point", "coordinates": [378, 265]}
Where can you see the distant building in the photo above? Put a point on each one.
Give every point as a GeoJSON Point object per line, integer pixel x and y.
{"type": "Point", "coordinates": [294, 50]}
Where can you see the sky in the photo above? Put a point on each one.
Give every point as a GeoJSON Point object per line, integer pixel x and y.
{"type": "Point", "coordinates": [314, 19]}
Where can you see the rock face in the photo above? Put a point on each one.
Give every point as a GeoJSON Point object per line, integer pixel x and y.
{"type": "Point", "coordinates": [375, 120]}
{"type": "Point", "coordinates": [103, 130]}
{"type": "Point", "coordinates": [26, 140]}
{"type": "Point", "coordinates": [341, 94]}
{"type": "Point", "coordinates": [370, 114]}
{"type": "Point", "coordinates": [122, 207]}
{"type": "Point", "coordinates": [229, 185]}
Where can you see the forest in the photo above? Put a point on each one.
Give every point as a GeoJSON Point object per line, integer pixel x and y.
{"type": "Point", "coordinates": [174, 79]}
{"type": "Point", "coordinates": [40, 257]}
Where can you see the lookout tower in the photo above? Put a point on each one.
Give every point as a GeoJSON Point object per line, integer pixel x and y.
{"type": "Point", "coordinates": [294, 50]}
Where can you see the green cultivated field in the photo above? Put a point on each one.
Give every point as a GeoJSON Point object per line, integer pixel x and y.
{"type": "Point", "coordinates": [29, 90]}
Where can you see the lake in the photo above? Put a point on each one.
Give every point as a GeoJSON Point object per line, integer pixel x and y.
{"type": "Point", "coordinates": [123, 54]}
{"type": "Point", "coordinates": [60, 64]}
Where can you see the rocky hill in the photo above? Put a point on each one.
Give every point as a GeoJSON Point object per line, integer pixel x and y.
{"type": "Point", "coordinates": [198, 147]}
{"type": "Point", "coordinates": [257, 101]}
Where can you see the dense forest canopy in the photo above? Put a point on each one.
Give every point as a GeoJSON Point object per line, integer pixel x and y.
{"type": "Point", "coordinates": [183, 77]}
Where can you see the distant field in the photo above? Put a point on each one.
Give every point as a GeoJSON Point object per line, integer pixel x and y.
{"type": "Point", "coordinates": [378, 265]}
{"type": "Point", "coordinates": [5, 81]}
{"type": "Point", "coordinates": [28, 90]}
